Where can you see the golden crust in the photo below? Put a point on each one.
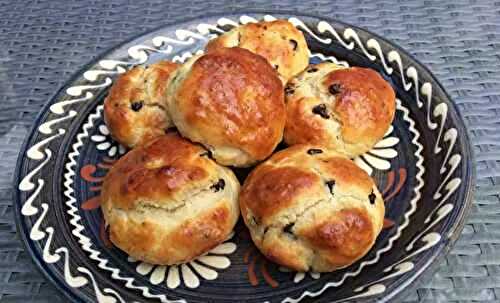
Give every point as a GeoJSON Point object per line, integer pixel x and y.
{"type": "Point", "coordinates": [272, 189]}
{"type": "Point", "coordinates": [344, 236]}
{"type": "Point", "coordinates": [366, 103]}
{"type": "Point", "coordinates": [156, 171]}
{"type": "Point", "coordinates": [238, 104]}
{"type": "Point", "coordinates": [283, 45]}
{"type": "Point", "coordinates": [135, 109]}
{"type": "Point", "coordinates": [308, 208]}
{"type": "Point", "coordinates": [165, 202]}
{"type": "Point", "coordinates": [345, 109]}
{"type": "Point", "coordinates": [148, 241]}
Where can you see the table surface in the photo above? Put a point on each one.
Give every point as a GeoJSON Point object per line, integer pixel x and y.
{"type": "Point", "coordinates": [42, 43]}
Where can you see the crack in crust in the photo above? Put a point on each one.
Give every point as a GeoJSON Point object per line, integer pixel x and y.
{"type": "Point", "coordinates": [297, 220]}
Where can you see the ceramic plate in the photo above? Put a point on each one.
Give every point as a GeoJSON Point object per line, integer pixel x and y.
{"type": "Point", "coordinates": [422, 166]}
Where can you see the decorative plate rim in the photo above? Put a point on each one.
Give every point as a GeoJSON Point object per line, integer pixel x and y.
{"type": "Point", "coordinates": [453, 231]}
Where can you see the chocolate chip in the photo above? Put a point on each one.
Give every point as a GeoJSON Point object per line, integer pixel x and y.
{"type": "Point", "coordinates": [330, 185]}
{"type": "Point", "coordinates": [137, 105]}
{"type": "Point", "coordinates": [321, 110]}
{"type": "Point", "coordinates": [218, 186]}
{"type": "Point", "coordinates": [372, 197]}
{"type": "Point", "coordinates": [334, 88]}
{"type": "Point", "coordinates": [288, 228]}
{"type": "Point", "coordinates": [294, 44]}
{"type": "Point", "coordinates": [314, 151]}
{"type": "Point", "coordinates": [207, 154]}
{"type": "Point", "coordinates": [312, 70]}
{"type": "Point", "coordinates": [289, 89]}
{"type": "Point", "coordinates": [276, 66]}
{"type": "Point", "coordinates": [266, 230]}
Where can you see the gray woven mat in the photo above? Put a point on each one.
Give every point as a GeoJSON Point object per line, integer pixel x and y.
{"type": "Point", "coordinates": [43, 43]}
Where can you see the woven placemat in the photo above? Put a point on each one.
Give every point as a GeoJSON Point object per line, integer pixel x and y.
{"type": "Point", "coordinates": [43, 43]}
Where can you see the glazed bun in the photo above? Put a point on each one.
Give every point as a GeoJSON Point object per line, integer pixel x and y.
{"type": "Point", "coordinates": [135, 110]}
{"type": "Point", "coordinates": [311, 209]}
{"type": "Point", "coordinates": [231, 101]}
{"type": "Point", "coordinates": [166, 202]}
{"type": "Point", "coordinates": [283, 45]}
{"type": "Point", "coordinates": [344, 109]}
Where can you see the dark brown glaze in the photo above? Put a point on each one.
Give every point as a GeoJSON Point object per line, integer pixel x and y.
{"type": "Point", "coordinates": [134, 109]}
{"type": "Point", "coordinates": [238, 101]}
{"type": "Point", "coordinates": [155, 172]}
{"type": "Point", "coordinates": [365, 103]}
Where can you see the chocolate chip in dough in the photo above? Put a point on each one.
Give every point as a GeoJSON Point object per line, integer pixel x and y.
{"type": "Point", "coordinates": [314, 151]}
{"type": "Point", "coordinates": [294, 44]}
{"type": "Point", "coordinates": [289, 89]}
{"type": "Point", "coordinates": [218, 186]}
{"type": "Point", "coordinates": [330, 185]}
{"type": "Point", "coordinates": [372, 197]}
{"type": "Point", "coordinates": [321, 110]}
{"type": "Point", "coordinates": [137, 105]}
{"type": "Point", "coordinates": [312, 70]}
{"type": "Point", "coordinates": [334, 89]}
{"type": "Point", "coordinates": [288, 228]}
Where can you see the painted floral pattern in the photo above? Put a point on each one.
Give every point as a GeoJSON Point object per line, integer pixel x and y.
{"type": "Point", "coordinates": [189, 273]}
{"type": "Point", "coordinates": [105, 143]}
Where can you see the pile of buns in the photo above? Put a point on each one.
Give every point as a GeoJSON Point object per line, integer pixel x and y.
{"type": "Point", "coordinates": [174, 196]}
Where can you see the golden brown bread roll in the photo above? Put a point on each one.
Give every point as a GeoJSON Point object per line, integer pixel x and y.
{"type": "Point", "coordinates": [345, 109]}
{"type": "Point", "coordinates": [135, 110]}
{"type": "Point", "coordinates": [308, 208]}
{"type": "Point", "coordinates": [231, 101]}
{"type": "Point", "coordinates": [283, 45]}
{"type": "Point", "coordinates": [166, 202]}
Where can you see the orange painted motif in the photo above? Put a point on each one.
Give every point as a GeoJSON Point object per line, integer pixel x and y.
{"type": "Point", "coordinates": [92, 203]}
{"type": "Point", "coordinates": [388, 223]}
{"type": "Point", "coordinates": [390, 182]}
{"type": "Point", "coordinates": [267, 276]}
{"type": "Point", "coordinates": [252, 277]}
{"type": "Point", "coordinates": [402, 180]}
{"type": "Point", "coordinates": [87, 171]}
